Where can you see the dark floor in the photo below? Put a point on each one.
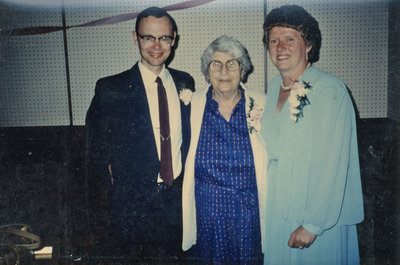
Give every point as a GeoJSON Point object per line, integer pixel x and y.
{"type": "Point", "coordinates": [44, 184]}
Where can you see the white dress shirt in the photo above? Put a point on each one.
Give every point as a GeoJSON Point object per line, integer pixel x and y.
{"type": "Point", "coordinates": [174, 110]}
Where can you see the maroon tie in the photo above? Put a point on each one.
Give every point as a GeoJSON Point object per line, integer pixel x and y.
{"type": "Point", "coordinates": [165, 137]}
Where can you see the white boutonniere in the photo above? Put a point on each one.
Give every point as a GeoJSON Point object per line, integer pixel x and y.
{"type": "Point", "coordinates": [185, 94]}
{"type": "Point", "coordinates": [254, 115]}
{"type": "Point", "coordinates": [298, 99]}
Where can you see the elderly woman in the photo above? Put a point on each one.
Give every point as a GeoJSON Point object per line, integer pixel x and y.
{"type": "Point", "coordinates": [314, 189]}
{"type": "Point", "coordinates": [225, 170]}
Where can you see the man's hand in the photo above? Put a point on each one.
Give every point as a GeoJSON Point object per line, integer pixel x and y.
{"type": "Point", "coordinates": [109, 170]}
{"type": "Point", "coordinates": [301, 238]}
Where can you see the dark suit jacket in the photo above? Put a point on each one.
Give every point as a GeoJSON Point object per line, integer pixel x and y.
{"type": "Point", "coordinates": [119, 132]}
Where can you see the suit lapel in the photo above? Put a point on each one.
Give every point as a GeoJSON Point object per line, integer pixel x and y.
{"type": "Point", "coordinates": [141, 115]}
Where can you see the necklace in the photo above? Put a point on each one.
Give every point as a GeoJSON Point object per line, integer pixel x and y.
{"type": "Point", "coordinates": [289, 87]}
{"type": "Point", "coordinates": [285, 88]}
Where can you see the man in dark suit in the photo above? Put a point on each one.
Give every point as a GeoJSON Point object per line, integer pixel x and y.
{"type": "Point", "coordinates": [126, 139]}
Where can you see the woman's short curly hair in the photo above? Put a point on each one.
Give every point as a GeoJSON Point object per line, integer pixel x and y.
{"type": "Point", "coordinates": [231, 46]}
{"type": "Point", "coordinates": [296, 17]}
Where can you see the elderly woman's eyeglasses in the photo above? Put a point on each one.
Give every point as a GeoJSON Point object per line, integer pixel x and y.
{"type": "Point", "coordinates": [231, 65]}
{"type": "Point", "coordinates": [150, 40]}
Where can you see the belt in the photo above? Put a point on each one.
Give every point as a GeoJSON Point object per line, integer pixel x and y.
{"type": "Point", "coordinates": [161, 186]}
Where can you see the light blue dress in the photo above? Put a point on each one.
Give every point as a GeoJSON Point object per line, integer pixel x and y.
{"type": "Point", "coordinates": [313, 175]}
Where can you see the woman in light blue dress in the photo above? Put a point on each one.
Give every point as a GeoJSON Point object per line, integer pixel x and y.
{"type": "Point", "coordinates": [314, 197]}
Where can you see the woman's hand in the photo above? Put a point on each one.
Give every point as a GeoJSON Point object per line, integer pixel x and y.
{"type": "Point", "coordinates": [301, 238]}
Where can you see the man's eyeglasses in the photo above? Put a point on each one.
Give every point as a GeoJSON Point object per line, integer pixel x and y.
{"type": "Point", "coordinates": [231, 65]}
{"type": "Point", "coordinates": [150, 40]}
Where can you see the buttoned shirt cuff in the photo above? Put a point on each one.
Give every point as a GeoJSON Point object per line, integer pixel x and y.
{"type": "Point", "coordinates": [313, 229]}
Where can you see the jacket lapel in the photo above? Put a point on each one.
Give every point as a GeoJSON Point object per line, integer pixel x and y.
{"type": "Point", "coordinates": [141, 114]}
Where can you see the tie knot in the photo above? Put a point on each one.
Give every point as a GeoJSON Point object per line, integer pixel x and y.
{"type": "Point", "coordinates": [158, 80]}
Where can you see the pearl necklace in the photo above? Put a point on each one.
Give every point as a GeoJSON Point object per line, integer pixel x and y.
{"type": "Point", "coordinates": [285, 88]}
{"type": "Point", "coordinates": [288, 88]}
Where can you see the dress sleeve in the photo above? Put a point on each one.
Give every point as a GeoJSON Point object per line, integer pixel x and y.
{"type": "Point", "coordinates": [334, 121]}
{"type": "Point", "coordinates": [98, 130]}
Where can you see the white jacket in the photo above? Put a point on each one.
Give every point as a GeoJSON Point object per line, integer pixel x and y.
{"type": "Point", "coordinates": [260, 159]}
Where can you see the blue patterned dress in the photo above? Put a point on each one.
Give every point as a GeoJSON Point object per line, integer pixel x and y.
{"type": "Point", "coordinates": [228, 227]}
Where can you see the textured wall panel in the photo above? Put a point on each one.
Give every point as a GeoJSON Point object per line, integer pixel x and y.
{"type": "Point", "coordinates": [32, 70]}
{"type": "Point", "coordinates": [34, 88]}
